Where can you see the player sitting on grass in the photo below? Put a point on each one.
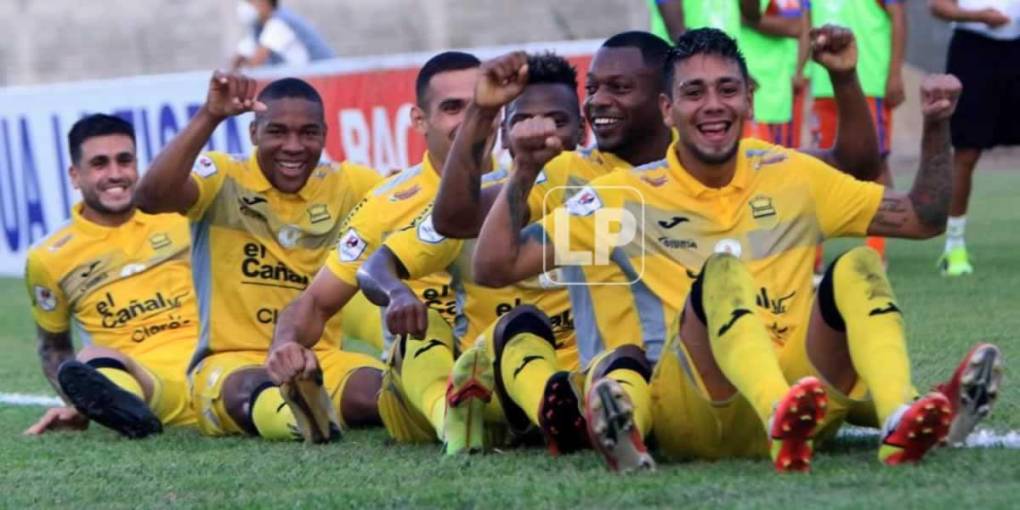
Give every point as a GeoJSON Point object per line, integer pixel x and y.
{"type": "Point", "coordinates": [751, 214]}
{"type": "Point", "coordinates": [120, 280]}
{"type": "Point", "coordinates": [262, 225]}
{"type": "Point", "coordinates": [443, 89]}
{"type": "Point", "coordinates": [454, 395]}
{"type": "Point", "coordinates": [624, 81]}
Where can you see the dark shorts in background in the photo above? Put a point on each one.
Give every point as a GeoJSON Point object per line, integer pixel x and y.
{"type": "Point", "coordinates": [989, 110]}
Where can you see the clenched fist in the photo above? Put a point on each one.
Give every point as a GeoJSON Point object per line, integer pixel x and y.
{"type": "Point", "coordinates": [939, 95]}
{"type": "Point", "coordinates": [503, 79]}
{"type": "Point", "coordinates": [231, 94]}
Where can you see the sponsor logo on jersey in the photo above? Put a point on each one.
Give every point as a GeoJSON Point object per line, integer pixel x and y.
{"type": "Point", "coordinates": [288, 236]}
{"type": "Point", "coordinates": [44, 298]}
{"type": "Point", "coordinates": [427, 231]}
{"type": "Point", "coordinates": [405, 194]}
{"type": "Point", "coordinates": [60, 243]}
{"type": "Point", "coordinates": [131, 269]}
{"type": "Point", "coordinates": [318, 213]}
{"type": "Point", "coordinates": [114, 315]}
{"type": "Point", "coordinates": [265, 272]}
{"type": "Point", "coordinates": [678, 244]}
{"type": "Point", "coordinates": [351, 246]}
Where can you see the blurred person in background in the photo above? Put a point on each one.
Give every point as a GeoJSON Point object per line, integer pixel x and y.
{"type": "Point", "coordinates": [276, 35]}
{"type": "Point", "coordinates": [985, 53]}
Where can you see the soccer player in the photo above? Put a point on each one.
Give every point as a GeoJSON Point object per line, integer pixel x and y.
{"type": "Point", "coordinates": [750, 215]}
{"type": "Point", "coordinates": [121, 280]}
{"type": "Point", "coordinates": [262, 225]}
{"type": "Point", "coordinates": [443, 90]}
{"type": "Point", "coordinates": [984, 52]}
{"type": "Point", "coordinates": [880, 27]}
{"type": "Point", "coordinates": [418, 251]}
{"type": "Point", "coordinates": [622, 82]}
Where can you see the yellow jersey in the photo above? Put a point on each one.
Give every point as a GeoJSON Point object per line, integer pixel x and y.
{"type": "Point", "coordinates": [390, 206]}
{"type": "Point", "coordinates": [126, 288]}
{"type": "Point", "coordinates": [256, 248]}
{"type": "Point", "coordinates": [779, 205]}
{"type": "Point", "coordinates": [423, 251]}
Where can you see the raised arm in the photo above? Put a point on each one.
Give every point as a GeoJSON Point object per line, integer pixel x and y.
{"type": "Point", "coordinates": [459, 209]}
{"type": "Point", "coordinates": [505, 254]}
{"type": "Point", "coordinates": [381, 279]}
{"type": "Point", "coordinates": [922, 212]}
{"type": "Point", "coordinates": [301, 324]}
{"type": "Point", "coordinates": [950, 10]}
{"type": "Point", "coordinates": [855, 150]}
{"type": "Point", "coordinates": [167, 185]}
{"type": "Point", "coordinates": [672, 12]}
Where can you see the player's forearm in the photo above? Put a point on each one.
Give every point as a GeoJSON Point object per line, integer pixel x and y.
{"type": "Point", "coordinates": [300, 322]}
{"type": "Point", "coordinates": [948, 10]}
{"type": "Point", "coordinates": [672, 12]}
{"type": "Point", "coordinates": [159, 190]}
{"type": "Point", "coordinates": [51, 355]}
{"type": "Point", "coordinates": [457, 211]}
{"type": "Point", "coordinates": [933, 184]}
{"type": "Point", "coordinates": [379, 277]}
{"type": "Point", "coordinates": [499, 240]}
{"type": "Point", "coordinates": [855, 150]}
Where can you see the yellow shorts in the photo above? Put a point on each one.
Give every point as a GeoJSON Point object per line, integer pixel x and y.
{"type": "Point", "coordinates": [208, 377]}
{"type": "Point", "coordinates": [170, 399]}
{"type": "Point", "coordinates": [362, 321]}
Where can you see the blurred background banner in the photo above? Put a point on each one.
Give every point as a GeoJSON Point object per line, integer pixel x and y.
{"type": "Point", "coordinates": [368, 102]}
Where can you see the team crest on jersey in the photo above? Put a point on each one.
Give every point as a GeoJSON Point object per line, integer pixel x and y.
{"type": "Point", "coordinates": [406, 194]}
{"type": "Point", "coordinates": [44, 298]}
{"type": "Point", "coordinates": [288, 236]}
{"type": "Point", "coordinates": [427, 232]}
{"type": "Point", "coordinates": [584, 202]}
{"type": "Point", "coordinates": [204, 166]}
{"type": "Point", "coordinates": [351, 246]}
{"type": "Point", "coordinates": [318, 213]}
{"type": "Point", "coordinates": [761, 207]}
{"type": "Point", "coordinates": [160, 241]}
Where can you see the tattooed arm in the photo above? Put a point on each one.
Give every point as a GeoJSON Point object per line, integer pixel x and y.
{"type": "Point", "coordinates": [922, 212]}
{"type": "Point", "coordinates": [54, 349]}
{"type": "Point", "coordinates": [461, 204]}
{"type": "Point", "coordinates": [505, 254]}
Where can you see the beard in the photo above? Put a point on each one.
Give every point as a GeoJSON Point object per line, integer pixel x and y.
{"type": "Point", "coordinates": [713, 158]}
{"type": "Point", "coordinates": [93, 202]}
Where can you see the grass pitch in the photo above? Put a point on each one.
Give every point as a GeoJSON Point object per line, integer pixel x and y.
{"type": "Point", "coordinates": [181, 469]}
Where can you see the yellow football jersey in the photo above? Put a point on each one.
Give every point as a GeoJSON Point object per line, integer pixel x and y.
{"type": "Point", "coordinates": [392, 205]}
{"type": "Point", "coordinates": [778, 207]}
{"type": "Point", "coordinates": [256, 248]}
{"type": "Point", "coordinates": [423, 251]}
{"type": "Point", "coordinates": [126, 288]}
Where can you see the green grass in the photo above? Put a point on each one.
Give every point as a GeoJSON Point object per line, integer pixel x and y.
{"type": "Point", "coordinates": [180, 468]}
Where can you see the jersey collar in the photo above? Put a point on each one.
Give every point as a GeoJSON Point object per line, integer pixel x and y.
{"type": "Point", "coordinates": [94, 229]}
{"type": "Point", "coordinates": [693, 186]}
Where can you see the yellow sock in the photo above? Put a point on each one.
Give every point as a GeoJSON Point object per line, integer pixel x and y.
{"type": "Point", "coordinates": [426, 368]}
{"type": "Point", "coordinates": [874, 329]}
{"type": "Point", "coordinates": [272, 416]}
{"type": "Point", "coordinates": [636, 387]}
{"type": "Point", "coordinates": [740, 344]}
{"type": "Point", "coordinates": [124, 380]}
{"type": "Point", "coordinates": [527, 364]}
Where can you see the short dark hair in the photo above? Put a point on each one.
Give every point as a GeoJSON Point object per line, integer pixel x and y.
{"type": "Point", "coordinates": [289, 87]}
{"type": "Point", "coordinates": [441, 63]}
{"type": "Point", "coordinates": [653, 49]}
{"type": "Point", "coordinates": [702, 41]}
{"type": "Point", "coordinates": [549, 67]}
{"type": "Point", "coordinates": [91, 126]}
{"type": "Point", "coordinates": [274, 3]}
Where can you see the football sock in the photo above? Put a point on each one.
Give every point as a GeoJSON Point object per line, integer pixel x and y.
{"type": "Point", "coordinates": [425, 370]}
{"type": "Point", "coordinates": [640, 394]}
{"type": "Point", "coordinates": [271, 416]}
{"type": "Point", "coordinates": [877, 244]}
{"type": "Point", "coordinates": [954, 232]}
{"type": "Point", "coordinates": [874, 328]}
{"type": "Point", "coordinates": [123, 379]}
{"type": "Point", "coordinates": [527, 363]}
{"type": "Point", "coordinates": [739, 341]}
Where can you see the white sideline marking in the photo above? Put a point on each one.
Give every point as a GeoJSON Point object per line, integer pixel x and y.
{"type": "Point", "coordinates": [980, 438]}
{"type": "Point", "coordinates": [21, 399]}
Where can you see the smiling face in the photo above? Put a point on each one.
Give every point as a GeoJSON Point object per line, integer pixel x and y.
{"type": "Point", "coordinates": [290, 136]}
{"type": "Point", "coordinates": [445, 103]}
{"type": "Point", "coordinates": [710, 101]}
{"type": "Point", "coordinates": [622, 99]}
{"type": "Point", "coordinates": [554, 100]}
{"type": "Point", "coordinates": [106, 173]}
